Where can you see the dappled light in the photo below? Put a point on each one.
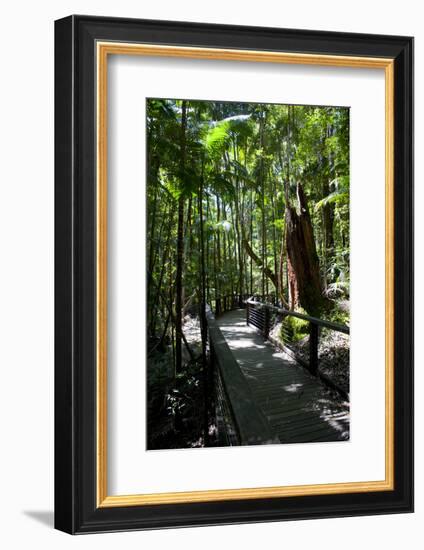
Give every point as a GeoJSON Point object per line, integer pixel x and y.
{"type": "Point", "coordinates": [248, 270]}
{"type": "Point", "coordinates": [297, 405]}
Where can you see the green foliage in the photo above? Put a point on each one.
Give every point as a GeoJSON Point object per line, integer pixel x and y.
{"type": "Point", "coordinates": [294, 329]}
{"type": "Point", "coordinates": [221, 184]}
{"type": "Point", "coordinates": [217, 138]}
{"type": "Point", "coordinates": [220, 176]}
{"type": "Point", "coordinates": [221, 133]}
{"type": "Point", "coordinates": [340, 195]}
{"type": "Point", "coordinates": [279, 224]}
{"type": "Point", "coordinates": [339, 315]}
{"type": "Point", "coordinates": [332, 198]}
{"type": "Point", "coordinates": [225, 225]}
{"type": "Point", "coordinates": [242, 164]}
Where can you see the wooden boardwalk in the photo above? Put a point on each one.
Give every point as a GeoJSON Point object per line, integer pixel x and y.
{"type": "Point", "coordinates": [298, 406]}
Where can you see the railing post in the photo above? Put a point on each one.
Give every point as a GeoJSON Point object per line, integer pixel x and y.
{"type": "Point", "coordinates": [208, 389]}
{"type": "Point", "coordinates": [247, 312]}
{"type": "Point", "coordinates": [313, 348]}
{"type": "Point", "coordinates": [266, 322]}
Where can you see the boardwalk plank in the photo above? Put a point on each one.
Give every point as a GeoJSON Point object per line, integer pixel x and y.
{"type": "Point", "coordinates": [308, 430]}
{"type": "Point", "coordinates": [296, 424]}
{"type": "Point", "coordinates": [296, 404]}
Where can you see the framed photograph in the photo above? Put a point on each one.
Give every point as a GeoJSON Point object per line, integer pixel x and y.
{"type": "Point", "coordinates": [233, 266]}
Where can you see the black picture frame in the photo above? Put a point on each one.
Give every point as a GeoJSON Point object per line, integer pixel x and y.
{"type": "Point", "coordinates": [76, 508]}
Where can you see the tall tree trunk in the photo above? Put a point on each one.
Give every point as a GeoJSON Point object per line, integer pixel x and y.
{"type": "Point", "coordinates": [238, 231]}
{"type": "Point", "coordinates": [293, 286]}
{"type": "Point", "coordinates": [280, 276]}
{"type": "Point", "coordinates": [215, 276]}
{"type": "Point", "coordinates": [203, 326]}
{"type": "Point", "coordinates": [251, 242]}
{"type": "Point", "coordinates": [171, 299]}
{"type": "Point", "coordinates": [164, 262]}
{"type": "Point", "coordinates": [208, 284]}
{"type": "Point", "coordinates": [239, 246]}
{"type": "Point", "coordinates": [236, 255]}
{"type": "Point", "coordinates": [274, 240]}
{"type": "Point", "coordinates": [328, 214]}
{"type": "Point", "coordinates": [263, 229]}
{"type": "Point", "coordinates": [153, 169]}
{"type": "Point", "coordinates": [218, 254]}
{"type": "Point", "coordinates": [180, 248]}
{"type": "Point", "coordinates": [225, 262]}
{"type": "Point", "coordinates": [304, 273]}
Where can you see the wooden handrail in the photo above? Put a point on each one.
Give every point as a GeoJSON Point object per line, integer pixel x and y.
{"type": "Point", "coordinates": [319, 322]}
{"type": "Point", "coordinates": [258, 315]}
{"type": "Point", "coordinates": [249, 421]}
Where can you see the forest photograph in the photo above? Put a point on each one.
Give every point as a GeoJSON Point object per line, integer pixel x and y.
{"type": "Point", "coordinates": [247, 274]}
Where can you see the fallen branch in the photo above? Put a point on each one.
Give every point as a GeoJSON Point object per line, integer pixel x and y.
{"type": "Point", "coordinates": [258, 262]}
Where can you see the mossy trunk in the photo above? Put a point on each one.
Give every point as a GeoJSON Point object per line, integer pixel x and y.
{"type": "Point", "coordinates": [304, 274]}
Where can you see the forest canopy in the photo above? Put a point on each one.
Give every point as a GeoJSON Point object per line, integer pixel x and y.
{"type": "Point", "coordinates": [231, 181]}
{"type": "Point", "coordinates": [243, 200]}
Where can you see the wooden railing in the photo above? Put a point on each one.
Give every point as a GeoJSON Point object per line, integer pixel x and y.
{"type": "Point", "coordinates": [228, 302]}
{"type": "Point", "coordinates": [260, 314]}
{"type": "Point", "coordinates": [244, 423]}
{"type": "Point", "coordinates": [240, 421]}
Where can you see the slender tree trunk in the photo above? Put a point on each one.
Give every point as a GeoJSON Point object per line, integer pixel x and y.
{"type": "Point", "coordinates": [263, 229]}
{"type": "Point", "coordinates": [236, 255]}
{"type": "Point", "coordinates": [218, 254]}
{"type": "Point", "coordinates": [203, 325]}
{"type": "Point", "coordinates": [208, 293]}
{"type": "Point", "coordinates": [238, 232]}
{"type": "Point", "coordinates": [281, 285]}
{"type": "Point", "coordinates": [215, 275]}
{"type": "Point", "coordinates": [152, 227]}
{"type": "Point", "coordinates": [328, 215]}
{"type": "Point", "coordinates": [239, 248]}
{"type": "Point", "coordinates": [171, 299]}
{"type": "Point", "coordinates": [180, 248]}
{"type": "Point", "coordinates": [164, 261]}
{"type": "Point", "coordinates": [224, 242]}
{"type": "Point", "coordinates": [250, 241]}
{"type": "Point", "coordinates": [152, 180]}
{"type": "Point", "coordinates": [274, 238]}
{"type": "Point", "coordinates": [183, 338]}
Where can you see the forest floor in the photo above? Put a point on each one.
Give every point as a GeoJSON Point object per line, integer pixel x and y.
{"type": "Point", "coordinates": [298, 406]}
{"type": "Point", "coordinates": [176, 407]}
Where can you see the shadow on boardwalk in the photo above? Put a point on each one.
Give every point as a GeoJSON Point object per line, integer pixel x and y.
{"type": "Point", "coordinates": [297, 405]}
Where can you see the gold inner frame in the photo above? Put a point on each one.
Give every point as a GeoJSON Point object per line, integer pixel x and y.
{"type": "Point", "coordinates": [104, 49]}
